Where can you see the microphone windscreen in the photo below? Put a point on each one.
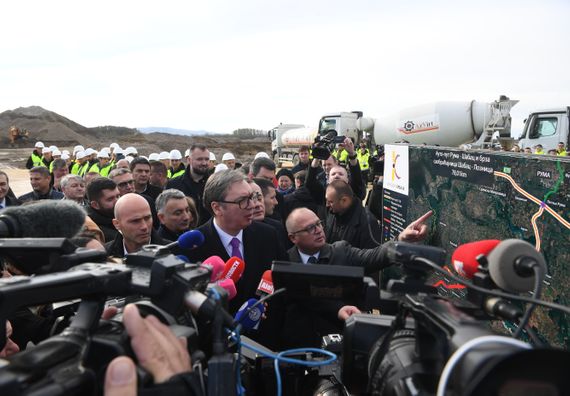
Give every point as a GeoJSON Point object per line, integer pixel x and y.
{"type": "Point", "coordinates": [191, 239]}
{"type": "Point", "coordinates": [216, 265]}
{"type": "Point", "coordinates": [183, 258]}
{"type": "Point", "coordinates": [464, 258]}
{"type": "Point", "coordinates": [229, 286]}
{"type": "Point", "coordinates": [265, 284]}
{"type": "Point", "coordinates": [233, 269]}
{"type": "Point", "coordinates": [48, 219]}
{"type": "Point", "coordinates": [502, 262]}
{"type": "Point", "coordinates": [249, 319]}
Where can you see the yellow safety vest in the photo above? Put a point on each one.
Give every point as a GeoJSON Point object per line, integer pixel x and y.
{"type": "Point", "coordinates": [363, 159]}
{"type": "Point", "coordinates": [562, 153]}
{"type": "Point", "coordinates": [37, 160]}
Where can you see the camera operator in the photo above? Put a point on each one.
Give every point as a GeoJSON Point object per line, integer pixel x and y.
{"type": "Point", "coordinates": [159, 352]}
{"type": "Point", "coordinates": [305, 324]}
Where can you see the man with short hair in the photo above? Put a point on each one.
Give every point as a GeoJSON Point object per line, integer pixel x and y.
{"type": "Point", "coordinates": [561, 150]}
{"type": "Point", "coordinates": [141, 173]}
{"type": "Point", "coordinates": [40, 179]}
{"type": "Point", "coordinates": [59, 170]}
{"type": "Point", "coordinates": [347, 220]}
{"type": "Point", "coordinates": [7, 198]}
{"type": "Point", "coordinates": [263, 168]}
{"type": "Point", "coordinates": [232, 232]}
{"type": "Point", "coordinates": [173, 213]}
{"type": "Point", "coordinates": [73, 188]}
{"type": "Point", "coordinates": [159, 174]}
{"type": "Point", "coordinates": [124, 179]}
{"type": "Point", "coordinates": [304, 160]}
{"type": "Point", "coordinates": [267, 197]}
{"type": "Point", "coordinates": [35, 158]}
{"type": "Point", "coordinates": [102, 194]}
{"type": "Point", "coordinates": [193, 181]}
{"type": "Point", "coordinates": [133, 220]}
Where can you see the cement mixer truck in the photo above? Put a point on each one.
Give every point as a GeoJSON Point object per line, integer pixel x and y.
{"type": "Point", "coordinates": [286, 139]}
{"type": "Point", "coordinates": [441, 123]}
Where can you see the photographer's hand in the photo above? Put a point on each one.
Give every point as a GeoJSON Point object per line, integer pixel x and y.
{"type": "Point", "coordinates": [121, 377]}
{"type": "Point", "coordinates": [348, 310]}
{"type": "Point", "coordinates": [417, 230]}
{"type": "Point", "coordinates": [157, 349]}
{"type": "Point", "coordinates": [349, 146]}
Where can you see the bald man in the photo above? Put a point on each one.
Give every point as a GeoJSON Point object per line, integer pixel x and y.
{"type": "Point", "coordinates": [133, 220]}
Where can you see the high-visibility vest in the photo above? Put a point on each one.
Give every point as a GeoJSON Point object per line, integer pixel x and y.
{"type": "Point", "coordinates": [83, 169]}
{"type": "Point", "coordinates": [94, 168]}
{"type": "Point", "coordinates": [75, 168]}
{"type": "Point", "coordinates": [539, 152]}
{"type": "Point", "coordinates": [363, 159]}
{"type": "Point", "coordinates": [105, 170]}
{"type": "Point", "coordinates": [37, 160]}
{"type": "Point", "coordinates": [562, 153]}
{"type": "Point", "coordinates": [173, 175]}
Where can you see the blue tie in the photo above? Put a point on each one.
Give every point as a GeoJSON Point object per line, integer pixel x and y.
{"type": "Point", "coordinates": [312, 260]}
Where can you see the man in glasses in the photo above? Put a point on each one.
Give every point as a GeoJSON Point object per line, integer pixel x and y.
{"type": "Point", "coordinates": [232, 232]}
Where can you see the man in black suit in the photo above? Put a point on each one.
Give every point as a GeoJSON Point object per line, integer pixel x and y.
{"type": "Point", "coordinates": [229, 198]}
{"type": "Point", "coordinates": [7, 197]}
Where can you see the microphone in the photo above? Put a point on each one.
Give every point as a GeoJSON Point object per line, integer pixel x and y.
{"type": "Point", "coordinates": [233, 269]}
{"type": "Point", "coordinates": [249, 318]}
{"type": "Point", "coordinates": [216, 265]}
{"type": "Point", "coordinates": [229, 286]}
{"type": "Point", "coordinates": [510, 265]}
{"type": "Point", "coordinates": [464, 258]}
{"type": "Point", "coordinates": [45, 219]}
{"type": "Point", "coordinates": [189, 240]}
{"type": "Point", "coordinates": [404, 253]}
{"type": "Point", "coordinates": [502, 309]}
{"type": "Point", "coordinates": [265, 286]}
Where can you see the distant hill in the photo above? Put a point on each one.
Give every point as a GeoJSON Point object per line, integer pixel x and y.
{"type": "Point", "coordinates": [175, 131]}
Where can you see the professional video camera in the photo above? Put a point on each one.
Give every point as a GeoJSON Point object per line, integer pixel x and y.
{"type": "Point", "coordinates": [74, 361]}
{"type": "Point", "coordinates": [324, 145]}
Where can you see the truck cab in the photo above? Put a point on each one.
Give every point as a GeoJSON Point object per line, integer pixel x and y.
{"type": "Point", "coordinates": [546, 127]}
{"type": "Point", "coordinates": [344, 123]}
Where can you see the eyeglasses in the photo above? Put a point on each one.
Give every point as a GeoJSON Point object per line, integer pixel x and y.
{"type": "Point", "coordinates": [125, 183]}
{"type": "Point", "coordinates": [310, 229]}
{"type": "Point", "coordinates": [243, 202]}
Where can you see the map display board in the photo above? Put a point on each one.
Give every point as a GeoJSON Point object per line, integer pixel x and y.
{"type": "Point", "coordinates": [477, 195]}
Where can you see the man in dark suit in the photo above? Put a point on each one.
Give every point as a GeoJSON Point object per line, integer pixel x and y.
{"type": "Point", "coordinates": [229, 198]}
{"type": "Point", "coordinates": [7, 197]}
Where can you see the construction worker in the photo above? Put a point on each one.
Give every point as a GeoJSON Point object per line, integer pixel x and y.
{"type": "Point", "coordinates": [36, 156]}
{"type": "Point", "coordinates": [538, 149]}
{"type": "Point", "coordinates": [561, 150]}
{"type": "Point", "coordinates": [363, 156]}
{"type": "Point", "coordinates": [104, 166]}
{"type": "Point", "coordinates": [177, 168]}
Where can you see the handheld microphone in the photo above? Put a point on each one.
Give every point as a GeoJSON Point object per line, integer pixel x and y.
{"type": "Point", "coordinates": [45, 219]}
{"type": "Point", "coordinates": [265, 286]}
{"type": "Point", "coordinates": [510, 265]}
{"type": "Point", "coordinates": [189, 240]}
{"type": "Point", "coordinates": [248, 317]}
{"type": "Point", "coordinates": [404, 253]}
{"type": "Point", "coordinates": [464, 258]}
{"type": "Point", "coordinates": [229, 286]}
{"type": "Point", "coordinates": [233, 269]}
{"type": "Point", "coordinates": [216, 266]}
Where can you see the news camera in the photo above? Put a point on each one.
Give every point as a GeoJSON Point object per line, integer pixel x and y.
{"type": "Point", "coordinates": [74, 361]}
{"type": "Point", "coordinates": [324, 145]}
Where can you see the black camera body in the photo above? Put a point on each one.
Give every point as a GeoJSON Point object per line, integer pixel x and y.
{"type": "Point", "coordinates": [324, 145]}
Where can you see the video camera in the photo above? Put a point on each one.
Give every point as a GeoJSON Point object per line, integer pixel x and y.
{"type": "Point", "coordinates": [324, 145]}
{"type": "Point", "coordinates": [74, 362]}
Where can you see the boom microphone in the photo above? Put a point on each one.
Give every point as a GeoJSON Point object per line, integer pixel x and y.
{"type": "Point", "coordinates": [234, 269]}
{"type": "Point", "coordinates": [464, 258]}
{"type": "Point", "coordinates": [265, 286]}
{"type": "Point", "coordinates": [45, 219]}
{"type": "Point", "coordinates": [510, 265]}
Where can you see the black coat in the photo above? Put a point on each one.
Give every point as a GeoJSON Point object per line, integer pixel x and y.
{"type": "Point", "coordinates": [116, 249]}
{"type": "Point", "coordinates": [357, 226]}
{"type": "Point", "coordinates": [105, 223]}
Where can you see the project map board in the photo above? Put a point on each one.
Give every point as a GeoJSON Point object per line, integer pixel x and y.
{"type": "Point", "coordinates": [478, 195]}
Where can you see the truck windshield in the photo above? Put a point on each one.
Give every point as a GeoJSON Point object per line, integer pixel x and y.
{"type": "Point", "coordinates": [327, 124]}
{"type": "Point", "coordinates": [544, 127]}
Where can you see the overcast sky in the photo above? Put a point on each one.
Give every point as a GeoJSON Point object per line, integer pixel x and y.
{"type": "Point", "coordinates": [223, 65]}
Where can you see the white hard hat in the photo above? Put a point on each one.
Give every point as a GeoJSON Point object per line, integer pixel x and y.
{"type": "Point", "coordinates": [175, 155]}
{"type": "Point", "coordinates": [89, 151]}
{"type": "Point", "coordinates": [105, 150]}
{"type": "Point", "coordinates": [65, 156]}
{"type": "Point", "coordinates": [129, 158]}
{"type": "Point", "coordinates": [46, 150]}
{"type": "Point", "coordinates": [39, 145]}
{"type": "Point", "coordinates": [164, 155]}
{"type": "Point", "coordinates": [261, 154]}
{"type": "Point", "coordinates": [113, 145]}
{"type": "Point", "coordinates": [187, 153]}
{"type": "Point", "coordinates": [130, 150]}
{"type": "Point", "coordinates": [80, 154]}
{"type": "Point", "coordinates": [117, 150]}
{"type": "Point", "coordinates": [220, 167]}
{"type": "Point", "coordinates": [65, 152]}
{"type": "Point", "coordinates": [153, 157]}
{"type": "Point", "coordinates": [56, 152]}
{"type": "Point", "coordinates": [228, 156]}
{"type": "Point", "coordinates": [212, 156]}
{"type": "Point", "coordinates": [102, 154]}
{"type": "Point", "coordinates": [53, 148]}
{"type": "Point", "coordinates": [78, 148]}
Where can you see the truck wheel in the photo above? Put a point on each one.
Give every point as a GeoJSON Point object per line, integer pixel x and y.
{"type": "Point", "coordinates": [295, 159]}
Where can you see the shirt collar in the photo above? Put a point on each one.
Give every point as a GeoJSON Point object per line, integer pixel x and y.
{"type": "Point", "coordinates": [227, 238]}
{"type": "Point", "coordinates": [305, 257]}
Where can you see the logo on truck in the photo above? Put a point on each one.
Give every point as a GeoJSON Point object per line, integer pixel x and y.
{"type": "Point", "coordinates": [418, 125]}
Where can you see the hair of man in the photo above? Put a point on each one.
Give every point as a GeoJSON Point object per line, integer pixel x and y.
{"type": "Point", "coordinates": [217, 186]}
{"type": "Point", "coordinates": [96, 186]}
{"type": "Point", "coordinates": [166, 196]}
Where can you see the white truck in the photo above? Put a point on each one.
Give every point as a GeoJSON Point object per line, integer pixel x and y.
{"type": "Point", "coordinates": [547, 127]}
{"type": "Point", "coordinates": [440, 123]}
{"type": "Point", "coordinates": [286, 139]}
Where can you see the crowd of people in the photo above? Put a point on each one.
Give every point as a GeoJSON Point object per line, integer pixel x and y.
{"type": "Point", "coordinates": [311, 214]}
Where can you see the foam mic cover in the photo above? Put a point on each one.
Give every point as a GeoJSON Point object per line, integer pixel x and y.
{"type": "Point", "coordinates": [503, 265]}
{"type": "Point", "coordinates": [233, 269]}
{"type": "Point", "coordinates": [191, 239]}
{"type": "Point", "coordinates": [249, 318]}
{"type": "Point", "coordinates": [45, 219]}
{"type": "Point", "coordinates": [464, 258]}
{"type": "Point", "coordinates": [229, 286]}
{"type": "Point", "coordinates": [265, 286]}
{"type": "Point", "coordinates": [216, 266]}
